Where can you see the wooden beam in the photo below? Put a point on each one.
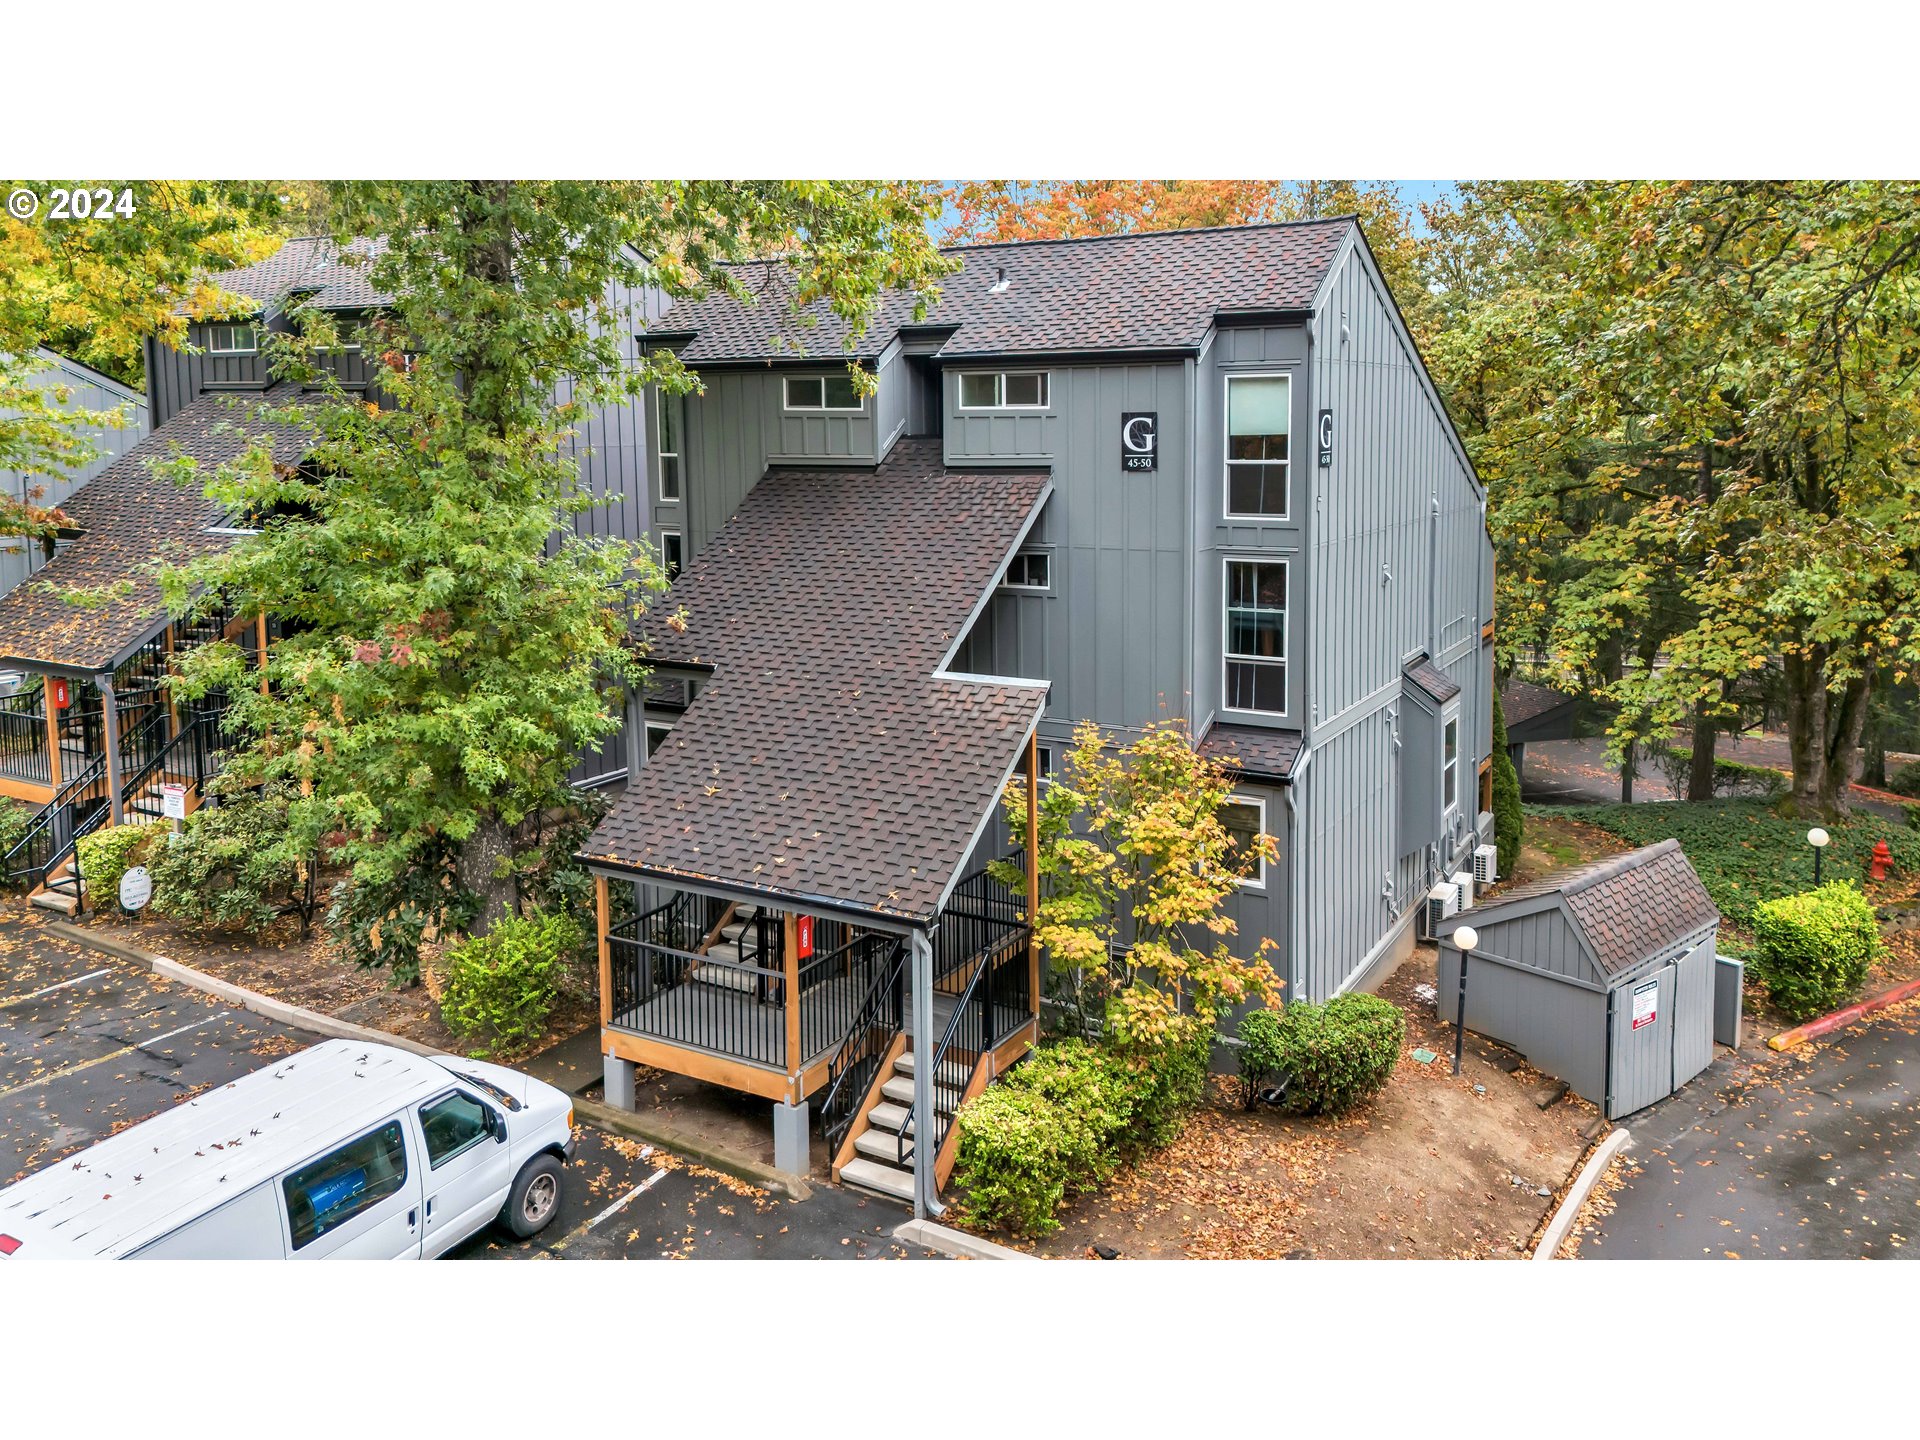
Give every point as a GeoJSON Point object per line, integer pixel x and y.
{"type": "Point", "coordinates": [764, 1081]}
{"type": "Point", "coordinates": [790, 961]}
{"type": "Point", "coordinates": [53, 728]}
{"type": "Point", "coordinates": [262, 633]}
{"type": "Point", "coordinates": [1033, 870]}
{"type": "Point", "coordinates": [862, 1120]}
{"type": "Point", "coordinates": [606, 956]}
{"type": "Point", "coordinates": [173, 706]}
{"type": "Point", "coordinates": [26, 790]}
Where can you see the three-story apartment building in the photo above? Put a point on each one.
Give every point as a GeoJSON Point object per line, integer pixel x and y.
{"type": "Point", "coordinates": [1197, 475]}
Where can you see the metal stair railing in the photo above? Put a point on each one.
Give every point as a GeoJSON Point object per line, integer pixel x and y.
{"type": "Point", "coordinates": [877, 1023]}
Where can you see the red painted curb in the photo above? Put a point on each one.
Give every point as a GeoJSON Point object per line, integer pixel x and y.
{"type": "Point", "coordinates": [1840, 1019]}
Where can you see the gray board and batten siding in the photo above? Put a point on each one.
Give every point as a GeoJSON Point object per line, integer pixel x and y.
{"type": "Point", "coordinates": [88, 392]}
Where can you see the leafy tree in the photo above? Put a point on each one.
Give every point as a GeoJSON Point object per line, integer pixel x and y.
{"type": "Point", "coordinates": [93, 289]}
{"type": "Point", "coordinates": [1134, 863]}
{"type": "Point", "coordinates": [1696, 407]}
{"type": "Point", "coordinates": [450, 645]}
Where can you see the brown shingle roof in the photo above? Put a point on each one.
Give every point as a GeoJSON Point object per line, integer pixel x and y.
{"type": "Point", "coordinates": [1158, 290]}
{"type": "Point", "coordinates": [131, 517]}
{"type": "Point", "coordinates": [1253, 750]}
{"type": "Point", "coordinates": [312, 265]}
{"type": "Point", "coordinates": [1521, 701]}
{"type": "Point", "coordinates": [1434, 682]}
{"type": "Point", "coordinates": [1628, 907]}
{"type": "Point", "coordinates": [824, 759]}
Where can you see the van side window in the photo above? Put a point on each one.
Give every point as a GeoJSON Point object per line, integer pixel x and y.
{"type": "Point", "coordinates": [451, 1124]}
{"type": "Point", "coordinates": [332, 1190]}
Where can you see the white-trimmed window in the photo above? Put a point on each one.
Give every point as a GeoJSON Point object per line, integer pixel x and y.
{"type": "Point", "coordinates": [667, 426]}
{"type": "Point", "coordinates": [1030, 571]}
{"type": "Point", "coordinates": [657, 732]}
{"type": "Point", "coordinates": [232, 340]}
{"type": "Point", "coordinates": [822, 392]}
{"type": "Point", "coordinates": [1003, 390]}
{"type": "Point", "coordinates": [671, 552]}
{"type": "Point", "coordinates": [1450, 764]}
{"type": "Point", "coordinates": [1244, 818]}
{"type": "Point", "coordinates": [1043, 762]}
{"type": "Point", "coordinates": [1255, 631]}
{"type": "Point", "coordinates": [1259, 414]}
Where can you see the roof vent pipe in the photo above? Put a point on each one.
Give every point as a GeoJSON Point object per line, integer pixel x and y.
{"type": "Point", "coordinates": [1000, 281]}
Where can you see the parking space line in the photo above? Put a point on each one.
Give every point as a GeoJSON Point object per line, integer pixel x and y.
{"type": "Point", "coordinates": [633, 1194]}
{"type": "Point", "coordinates": [77, 980]}
{"type": "Point", "coordinates": [124, 1050]}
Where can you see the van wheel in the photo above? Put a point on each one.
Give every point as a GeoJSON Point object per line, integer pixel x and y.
{"type": "Point", "coordinates": [534, 1199]}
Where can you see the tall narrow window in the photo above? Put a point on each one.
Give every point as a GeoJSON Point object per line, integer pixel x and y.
{"type": "Point", "coordinates": [669, 448]}
{"type": "Point", "coordinates": [670, 553]}
{"type": "Point", "coordinates": [1244, 818]}
{"type": "Point", "coordinates": [1256, 636]}
{"type": "Point", "coordinates": [1258, 412]}
{"type": "Point", "coordinates": [1450, 765]}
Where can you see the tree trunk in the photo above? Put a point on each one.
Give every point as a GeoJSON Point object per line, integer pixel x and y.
{"type": "Point", "coordinates": [1706, 735]}
{"type": "Point", "coordinates": [1823, 735]}
{"type": "Point", "coordinates": [478, 871]}
{"type": "Point", "coordinates": [1629, 763]}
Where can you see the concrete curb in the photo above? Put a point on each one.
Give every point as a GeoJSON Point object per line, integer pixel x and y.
{"type": "Point", "coordinates": [956, 1243]}
{"type": "Point", "coordinates": [1841, 1018]}
{"type": "Point", "coordinates": [1556, 1232]}
{"type": "Point", "coordinates": [603, 1117]}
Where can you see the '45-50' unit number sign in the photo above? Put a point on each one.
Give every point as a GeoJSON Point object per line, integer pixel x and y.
{"type": "Point", "coordinates": [1140, 441]}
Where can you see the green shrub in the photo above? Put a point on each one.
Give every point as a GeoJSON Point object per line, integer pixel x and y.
{"type": "Point", "coordinates": [108, 854]}
{"type": "Point", "coordinates": [231, 867]}
{"type": "Point", "coordinates": [14, 820]}
{"type": "Point", "coordinates": [1166, 1085]}
{"type": "Point", "coordinates": [1730, 777]}
{"type": "Point", "coordinates": [1338, 1054]}
{"type": "Point", "coordinates": [1906, 780]}
{"type": "Point", "coordinates": [1260, 1054]}
{"type": "Point", "coordinates": [1098, 1091]}
{"type": "Point", "coordinates": [1813, 949]}
{"type": "Point", "coordinates": [1019, 1154]}
{"type": "Point", "coordinates": [500, 987]}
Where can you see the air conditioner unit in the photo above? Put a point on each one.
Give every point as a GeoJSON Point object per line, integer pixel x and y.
{"type": "Point", "coordinates": [1486, 864]}
{"type": "Point", "coordinates": [1442, 901]}
{"type": "Point", "coordinates": [1462, 880]}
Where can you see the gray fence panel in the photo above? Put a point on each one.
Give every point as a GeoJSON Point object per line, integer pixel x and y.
{"type": "Point", "coordinates": [1693, 1013]}
{"type": "Point", "coordinates": [1643, 1054]}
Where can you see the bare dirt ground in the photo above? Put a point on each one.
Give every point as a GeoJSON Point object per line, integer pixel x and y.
{"type": "Point", "coordinates": [1433, 1167]}
{"type": "Point", "coordinates": [314, 973]}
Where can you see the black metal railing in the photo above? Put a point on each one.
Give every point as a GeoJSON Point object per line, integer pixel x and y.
{"type": "Point", "coordinates": [49, 838]}
{"type": "Point", "coordinates": [878, 1018]}
{"type": "Point", "coordinates": [707, 1002]}
{"type": "Point", "coordinates": [995, 1001]}
{"type": "Point", "coordinates": [978, 913]}
{"type": "Point", "coordinates": [23, 736]}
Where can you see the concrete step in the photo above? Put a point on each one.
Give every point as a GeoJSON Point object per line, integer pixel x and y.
{"type": "Point", "coordinates": [954, 1073]}
{"type": "Point", "coordinates": [890, 1117]}
{"type": "Point", "coordinates": [888, 1180]}
{"type": "Point", "coordinates": [880, 1145]}
{"type": "Point", "coordinates": [900, 1088]}
{"type": "Point", "coordinates": [57, 900]}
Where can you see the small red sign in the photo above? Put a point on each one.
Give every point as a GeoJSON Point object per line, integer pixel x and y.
{"type": "Point", "coordinates": [803, 930]}
{"type": "Point", "coordinates": [58, 689]}
{"type": "Point", "coordinates": [8, 1244]}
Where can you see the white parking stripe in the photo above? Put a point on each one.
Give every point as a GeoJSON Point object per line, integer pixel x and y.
{"type": "Point", "coordinates": [77, 980]}
{"type": "Point", "coordinates": [62, 1074]}
{"type": "Point", "coordinates": [143, 1044]}
{"type": "Point", "coordinates": [620, 1204]}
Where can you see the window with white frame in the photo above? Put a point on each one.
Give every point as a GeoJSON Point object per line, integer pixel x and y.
{"type": "Point", "coordinates": [822, 392]}
{"type": "Point", "coordinates": [232, 340]}
{"type": "Point", "coordinates": [1450, 764]}
{"type": "Point", "coordinates": [1258, 420]}
{"type": "Point", "coordinates": [1244, 818]}
{"type": "Point", "coordinates": [657, 732]}
{"type": "Point", "coordinates": [1030, 570]}
{"type": "Point", "coordinates": [1256, 636]}
{"type": "Point", "coordinates": [1043, 762]}
{"type": "Point", "coordinates": [1003, 390]}
{"type": "Point", "coordinates": [668, 426]}
{"type": "Point", "coordinates": [671, 554]}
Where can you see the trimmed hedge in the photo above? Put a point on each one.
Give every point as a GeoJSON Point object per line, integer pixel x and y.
{"type": "Point", "coordinates": [1062, 1120]}
{"type": "Point", "coordinates": [1334, 1055]}
{"type": "Point", "coordinates": [108, 854]}
{"type": "Point", "coordinates": [1812, 950]}
{"type": "Point", "coordinates": [501, 987]}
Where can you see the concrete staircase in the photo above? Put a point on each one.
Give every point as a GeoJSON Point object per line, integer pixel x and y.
{"type": "Point", "coordinates": [876, 1166]}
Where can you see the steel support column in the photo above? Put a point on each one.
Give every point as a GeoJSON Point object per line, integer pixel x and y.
{"type": "Point", "coordinates": [926, 1199]}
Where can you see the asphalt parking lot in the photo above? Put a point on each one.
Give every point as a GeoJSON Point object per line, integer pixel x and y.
{"type": "Point", "coordinates": [90, 1044]}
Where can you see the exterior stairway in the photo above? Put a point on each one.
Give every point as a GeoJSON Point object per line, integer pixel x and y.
{"type": "Point", "coordinates": [735, 944]}
{"type": "Point", "coordinates": [876, 1164]}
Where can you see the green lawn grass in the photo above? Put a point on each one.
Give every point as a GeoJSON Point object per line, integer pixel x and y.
{"type": "Point", "coordinates": [1745, 851]}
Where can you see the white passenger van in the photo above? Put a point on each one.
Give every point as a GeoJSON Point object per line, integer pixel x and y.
{"type": "Point", "coordinates": [344, 1150]}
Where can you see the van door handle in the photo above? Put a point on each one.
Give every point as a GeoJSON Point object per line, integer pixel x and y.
{"type": "Point", "coordinates": [430, 1200]}
{"type": "Point", "coordinates": [413, 1218]}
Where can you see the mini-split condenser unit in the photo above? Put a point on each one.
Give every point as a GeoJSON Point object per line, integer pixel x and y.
{"type": "Point", "coordinates": [1462, 880]}
{"type": "Point", "coordinates": [1486, 865]}
{"type": "Point", "coordinates": [1442, 901]}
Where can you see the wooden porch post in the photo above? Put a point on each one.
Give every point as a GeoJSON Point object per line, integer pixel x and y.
{"type": "Point", "coordinates": [53, 728]}
{"type": "Point", "coordinates": [606, 959]}
{"type": "Point", "coordinates": [173, 705]}
{"type": "Point", "coordinates": [262, 632]}
{"type": "Point", "coordinates": [1033, 870]}
{"type": "Point", "coordinates": [796, 1062]}
{"type": "Point", "coordinates": [110, 728]}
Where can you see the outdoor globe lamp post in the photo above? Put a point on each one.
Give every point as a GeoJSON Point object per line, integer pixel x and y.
{"type": "Point", "coordinates": [1464, 939]}
{"type": "Point", "coordinates": [1817, 838]}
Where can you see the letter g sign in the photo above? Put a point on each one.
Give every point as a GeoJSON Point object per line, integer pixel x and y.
{"type": "Point", "coordinates": [1140, 441]}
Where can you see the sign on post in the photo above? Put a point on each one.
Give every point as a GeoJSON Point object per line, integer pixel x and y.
{"type": "Point", "coordinates": [173, 801]}
{"type": "Point", "coordinates": [136, 888]}
{"type": "Point", "coordinates": [803, 936]}
{"type": "Point", "coordinates": [1646, 1002]}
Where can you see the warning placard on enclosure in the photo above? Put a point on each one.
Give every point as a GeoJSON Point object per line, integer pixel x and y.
{"type": "Point", "coordinates": [1646, 1003]}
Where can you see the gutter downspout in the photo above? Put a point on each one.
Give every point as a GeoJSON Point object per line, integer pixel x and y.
{"type": "Point", "coordinates": [1433, 579]}
{"type": "Point", "coordinates": [926, 1199]}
